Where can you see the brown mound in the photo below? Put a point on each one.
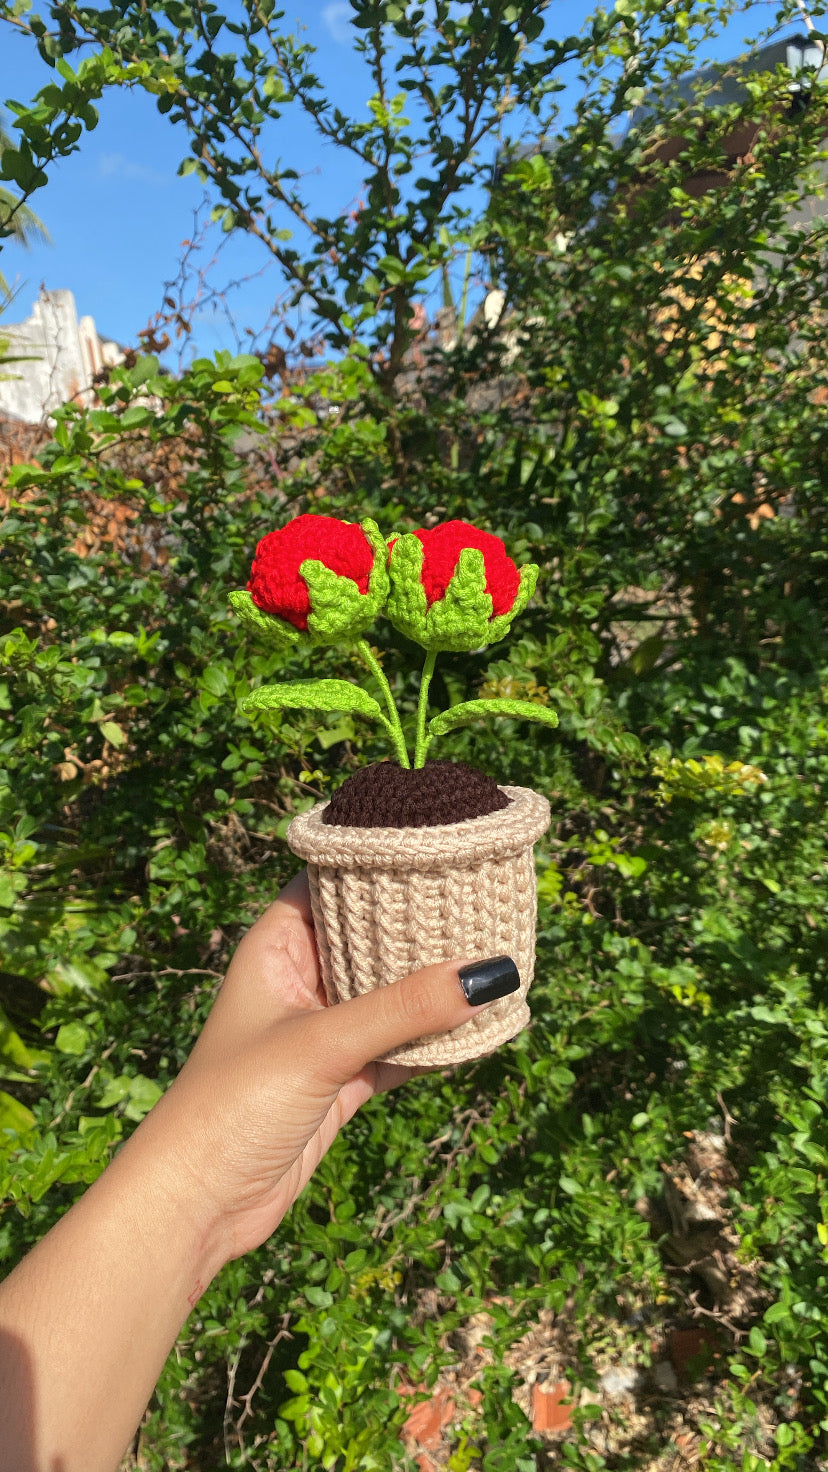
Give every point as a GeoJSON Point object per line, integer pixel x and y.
{"type": "Point", "coordinates": [387, 795]}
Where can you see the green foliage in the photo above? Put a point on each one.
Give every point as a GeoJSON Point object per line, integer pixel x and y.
{"type": "Point", "coordinates": [698, 776]}
{"type": "Point", "coordinates": [644, 421]}
{"type": "Point", "coordinates": [18, 221]}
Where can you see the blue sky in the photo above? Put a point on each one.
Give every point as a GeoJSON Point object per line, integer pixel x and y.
{"type": "Point", "coordinates": [118, 213]}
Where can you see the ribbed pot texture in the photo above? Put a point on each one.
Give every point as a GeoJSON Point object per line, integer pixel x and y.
{"type": "Point", "coordinates": [387, 901]}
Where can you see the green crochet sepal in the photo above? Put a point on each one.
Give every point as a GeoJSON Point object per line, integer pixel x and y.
{"type": "Point", "coordinates": [313, 695]}
{"type": "Point", "coordinates": [406, 608]}
{"type": "Point", "coordinates": [500, 625]}
{"type": "Point", "coordinates": [276, 629]}
{"type": "Point", "coordinates": [462, 619]}
{"type": "Point", "coordinates": [339, 613]}
{"type": "Point", "coordinates": [469, 710]}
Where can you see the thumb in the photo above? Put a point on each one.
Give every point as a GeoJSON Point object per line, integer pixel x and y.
{"type": "Point", "coordinates": [434, 1000]}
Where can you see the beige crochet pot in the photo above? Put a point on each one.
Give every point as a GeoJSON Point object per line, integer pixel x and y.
{"type": "Point", "coordinates": [387, 901]}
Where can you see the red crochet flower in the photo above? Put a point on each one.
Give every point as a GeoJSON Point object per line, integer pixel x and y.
{"type": "Point", "coordinates": [455, 587]}
{"type": "Point", "coordinates": [276, 585]}
{"type": "Point", "coordinates": [442, 546]}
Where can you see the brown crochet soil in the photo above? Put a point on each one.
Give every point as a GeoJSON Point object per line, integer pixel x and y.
{"type": "Point", "coordinates": [387, 795]}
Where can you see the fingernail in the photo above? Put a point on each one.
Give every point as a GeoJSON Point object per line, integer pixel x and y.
{"type": "Point", "coordinates": [485, 981]}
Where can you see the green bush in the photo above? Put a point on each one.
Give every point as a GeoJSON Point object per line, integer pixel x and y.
{"type": "Point", "coordinates": [647, 422]}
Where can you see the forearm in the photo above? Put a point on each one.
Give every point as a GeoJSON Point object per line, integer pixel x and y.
{"type": "Point", "coordinates": [89, 1317]}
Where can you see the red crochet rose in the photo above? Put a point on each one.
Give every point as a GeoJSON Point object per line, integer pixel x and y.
{"type": "Point", "coordinates": [455, 587]}
{"type": "Point", "coordinates": [442, 546]}
{"type": "Point", "coordinates": [276, 585]}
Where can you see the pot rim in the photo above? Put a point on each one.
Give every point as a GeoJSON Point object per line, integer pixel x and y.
{"type": "Point", "coordinates": [464, 844]}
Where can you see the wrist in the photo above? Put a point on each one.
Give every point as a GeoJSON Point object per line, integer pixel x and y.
{"type": "Point", "coordinates": [175, 1213]}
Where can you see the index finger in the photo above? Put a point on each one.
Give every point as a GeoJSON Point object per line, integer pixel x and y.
{"type": "Point", "coordinates": [275, 970]}
{"type": "Point", "coordinates": [296, 894]}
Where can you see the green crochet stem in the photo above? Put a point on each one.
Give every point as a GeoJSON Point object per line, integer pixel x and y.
{"type": "Point", "coordinates": [394, 724]}
{"type": "Point", "coordinates": [423, 741]}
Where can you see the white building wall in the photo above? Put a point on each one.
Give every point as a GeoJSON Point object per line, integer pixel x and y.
{"type": "Point", "coordinates": [63, 355]}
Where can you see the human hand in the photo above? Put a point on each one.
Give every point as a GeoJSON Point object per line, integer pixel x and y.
{"type": "Point", "coordinates": [276, 1073]}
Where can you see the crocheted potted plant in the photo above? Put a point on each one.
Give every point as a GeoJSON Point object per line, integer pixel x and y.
{"type": "Point", "coordinates": [412, 860]}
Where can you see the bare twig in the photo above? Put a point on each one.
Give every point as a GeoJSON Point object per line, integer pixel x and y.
{"type": "Point", "coordinates": [246, 1401]}
{"type": "Point", "coordinates": [230, 1404]}
{"type": "Point", "coordinates": [170, 971]}
{"type": "Point", "coordinates": [70, 1098]}
{"type": "Point", "coordinates": [727, 1117]}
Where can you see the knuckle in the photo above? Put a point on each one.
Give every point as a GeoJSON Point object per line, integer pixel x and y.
{"type": "Point", "coordinates": [415, 999]}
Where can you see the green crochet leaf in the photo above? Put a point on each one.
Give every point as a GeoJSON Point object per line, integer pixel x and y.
{"type": "Point", "coordinates": [470, 710]}
{"type": "Point", "coordinates": [276, 629]}
{"type": "Point", "coordinates": [313, 695]}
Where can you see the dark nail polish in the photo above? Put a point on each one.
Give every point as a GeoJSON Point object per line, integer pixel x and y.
{"type": "Point", "coordinates": [485, 981]}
